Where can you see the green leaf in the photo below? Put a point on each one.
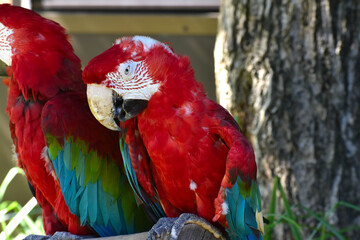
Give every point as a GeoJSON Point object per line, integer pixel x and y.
{"type": "Point", "coordinates": [15, 221]}
{"type": "Point", "coordinates": [269, 228]}
{"type": "Point", "coordinates": [292, 222]}
{"type": "Point", "coordinates": [324, 234]}
{"type": "Point", "coordinates": [324, 223]}
{"type": "Point", "coordinates": [8, 178]}
{"type": "Point", "coordinates": [32, 226]}
{"type": "Point", "coordinates": [294, 230]}
{"type": "Point", "coordinates": [349, 205]}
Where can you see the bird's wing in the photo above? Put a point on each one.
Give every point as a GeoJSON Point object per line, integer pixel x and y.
{"type": "Point", "coordinates": [239, 198]}
{"type": "Point", "coordinates": [86, 159]}
{"type": "Point", "coordinates": [138, 170]}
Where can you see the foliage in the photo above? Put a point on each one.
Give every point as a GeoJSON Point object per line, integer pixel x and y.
{"type": "Point", "coordinates": [18, 221]}
{"type": "Point", "coordinates": [2, 69]}
{"type": "Point", "coordinates": [323, 230]}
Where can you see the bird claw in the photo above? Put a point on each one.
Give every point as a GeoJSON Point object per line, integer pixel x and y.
{"type": "Point", "coordinates": [183, 219]}
{"type": "Point", "coordinates": [161, 229]}
{"type": "Point", "coordinates": [170, 228]}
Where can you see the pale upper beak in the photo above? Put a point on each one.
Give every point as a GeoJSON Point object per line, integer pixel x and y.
{"type": "Point", "coordinates": [109, 108]}
{"type": "Point", "coordinates": [101, 105]}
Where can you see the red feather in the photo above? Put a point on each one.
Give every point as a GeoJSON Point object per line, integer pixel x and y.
{"type": "Point", "coordinates": [43, 65]}
{"type": "Point", "coordinates": [195, 146]}
{"type": "Point", "coordinates": [191, 140]}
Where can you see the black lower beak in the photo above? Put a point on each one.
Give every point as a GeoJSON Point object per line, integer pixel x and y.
{"type": "Point", "coordinates": [127, 109]}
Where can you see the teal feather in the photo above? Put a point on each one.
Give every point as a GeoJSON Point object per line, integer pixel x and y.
{"type": "Point", "coordinates": [92, 202]}
{"type": "Point", "coordinates": [68, 182]}
{"type": "Point", "coordinates": [80, 170]}
{"type": "Point", "coordinates": [130, 173]}
{"type": "Point", "coordinates": [232, 204]}
{"type": "Point", "coordinates": [83, 206]}
{"type": "Point", "coordinates": [104, 230]}
{"type": "Point", "coordinates": [242, 206]}
{"type": "Point", "coordinates": [240, 214]}
{"type": "Point", "coordinates": [249, 212]}
{"type": "Point", "coordinates": [87, 199]}
{"type": "Point", "coordinates": [70, 189]}
{"type": "Point", "coordinates": [155, 207]}
{"type": "Point", "coordinates": [60, 166]}
{"type": "Point", "coordinates": [72, 192]}
{"type": "Point", "coordinates": [115, 219]}
{"type": "Point", "coordinates": [104, 206]}
{"type": "Point", "coordinates": [231, 221]}
{"type": "Point", "coordinates": [67, 154]}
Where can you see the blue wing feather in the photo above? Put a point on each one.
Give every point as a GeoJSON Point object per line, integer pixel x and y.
{"type": "Point", "coordinates": [80, 176]}
{"type": "Point", "coordinates": [83, 205]}
{"type": "Point", "coordinates": [88, 168]}
{"type": "Point", "coordinates": [155, 207]}
{"type": "Point", "coordinates": [130, 173]}
{"type": "Point", "coordinates": [92, 202]}
{"type": "Point", "coordinates": [241, 216]}
{"type": "Point", "coordinates": [104, 230]}
{"type": "Point", "coordinates": [103, 207]}
{"type": "Point", "coordinates": [82, 198]}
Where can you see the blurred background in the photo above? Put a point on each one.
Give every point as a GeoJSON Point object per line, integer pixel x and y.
{"type": "Point", "coordinates": [188, 26]}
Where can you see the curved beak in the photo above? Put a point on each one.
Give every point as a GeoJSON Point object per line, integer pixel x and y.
{"type": "Point", "coordinates": [109, 108]}
{"type": "Point", "coordinates": [128, 108]}
{"type": "Point", "coordinates": [101, 105]}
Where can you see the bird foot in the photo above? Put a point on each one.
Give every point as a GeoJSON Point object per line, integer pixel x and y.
{"type": "Point", "coordinates": [57, 236]}
{"type": "Point", "coordinates": [170, 228]}
{"type": "Point", "coordinates": [161, 229]}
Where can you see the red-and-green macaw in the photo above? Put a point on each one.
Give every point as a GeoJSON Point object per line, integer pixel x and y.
{"type": "Point", "coordinates": [192, 147]}
{"type": "Point", "coordinates": [72, 162]}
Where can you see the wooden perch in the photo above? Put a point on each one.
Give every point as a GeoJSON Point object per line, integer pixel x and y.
{"type": "Point", "coordinates": [136, 236]}
{"type": "Point", "coordinates": [190, 231]}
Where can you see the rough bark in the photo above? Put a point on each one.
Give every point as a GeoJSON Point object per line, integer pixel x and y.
{"type": "Point", "coordinates": [190, 231]}
{"type": "Point", "coordinates": [290, 70]}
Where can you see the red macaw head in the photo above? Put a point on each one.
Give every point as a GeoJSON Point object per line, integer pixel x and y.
{"type": "Point", "coordinates": [41, 47]}
{"type": "Point", "coordinates": [124, 78]}
{"type": "Point", "coordinates": [6, 35]}
{"type": "Point", "coordinates": [22, 31]}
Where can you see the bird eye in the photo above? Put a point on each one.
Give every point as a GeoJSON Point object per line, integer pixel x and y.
{"type": "Point", "coordinates": [127, 70]}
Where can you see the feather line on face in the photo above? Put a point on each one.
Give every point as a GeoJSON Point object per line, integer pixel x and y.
{"type": "Point", "coordinates": [131, 80]}
{"type": "Point", "coordinates": [5, 47]}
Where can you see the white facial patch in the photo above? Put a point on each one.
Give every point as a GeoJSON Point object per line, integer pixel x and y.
{"type": "Point", "coordinates": [148, 43]}
{"type": "Point", "coordinates": [5, 47]}
{"type": "Point", "coordinates": [131, 80]}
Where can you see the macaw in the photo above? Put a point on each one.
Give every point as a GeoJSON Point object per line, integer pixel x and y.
{"type": "Point", "coordinates": [71, 161]}
{"type": "Point", "coordinates": [195, 153]}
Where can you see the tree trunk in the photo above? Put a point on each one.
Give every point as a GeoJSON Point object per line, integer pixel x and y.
{"type": "Point", "coordinates": [290, 70]}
